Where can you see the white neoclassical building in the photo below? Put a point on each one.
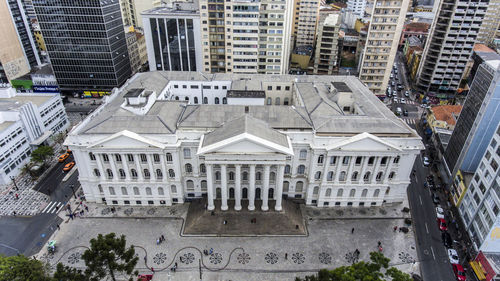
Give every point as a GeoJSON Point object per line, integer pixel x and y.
{"type": "Point", "coordinates": [156, 142]}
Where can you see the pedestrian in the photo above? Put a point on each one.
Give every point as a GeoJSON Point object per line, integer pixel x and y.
{"type": "Point", "coordinates": [145, 259]}
{"type": "Point", "coordinates": [86, 208]}
{"type": "Point", "coordinates": [17, 196]}
{"type": "Point", "coordinates": [286, 256]}
{"type": "Point", "coordinates": [14, 213]}
{"type": "Point", "coordinates": [379, 243]}
{"type": "Point", "coordinates": [157, 241]}
{"type": "Point", "coordinates": [224, 222]}
{"type": "Point", "coordinates": [71, 216]}
{"type": "Point", "coordinates": [153, 270]}
{"type": "Point", "coordinates": [175, 265]}
{"type": "Point", "coordinates": [395, 228]}
{"type": "Point", "coordinates": [162, 237]}
{"type": "Point", "coordinates": [57, 208]}
{"type": "Point", "coordinates": [352, 230]}
{"type": "Point", "coordinates": [356, 252]}
{"type": "Point", "coordinates": [58, 227]}
{"type": "Point", "coordinates": [82, 212]}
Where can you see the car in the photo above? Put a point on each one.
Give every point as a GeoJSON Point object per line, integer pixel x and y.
{"type": "Point", "coordinates": [398, 111]}
{"type": "Point", "coordinates": [393, 83]}
{"type": "Point", "coordinates": [400, 87]}
{"type": "Point", "coordinates": [69, 166]}
{"type": "Point", "coordinates": [442, 224]}
{"type": "Point", "coordinates": [395, 100]}
{"type": "Point", "coordinates": [453, 256]}
{"type": "Point", "coordinates": [439, 212]}
{"type": "Point", "coordinates": [405, 112]}
{"type": "Point", "coordinates": [426, 161]}
{"type": "Point", "coordinates": [447, 241]}
{"type": "Point", "coordinates": [435, 198]}
{"type": "Point", "coordinates": [459, 272]}
{"type": "Point", "coordinates": [69, 151]}
{"type": "Point", "coordinates": [396, 71]}
{"type": "Point", "coordinates": [403, 100]}
{"type": "Point", "coordinates": [392, 75]}
{"type": "Point", "coordinates": [407, 94]}
{"type": "Point", "coordinates": [63, 157]}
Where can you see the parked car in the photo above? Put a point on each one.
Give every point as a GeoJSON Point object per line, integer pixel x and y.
{"type": "Point", "coordinates": [435, 198]}
{"type": "Point", "coordinates": [400, 87]}
{"type": "Point", "coordinates": [407, 94]}
{"type": "Point", "coordinates": [426, 161]}
{"type": "Point", "coordinates": [447, 241]}
{"type": "Point", "coordinates": [453, 256]}
{"type": "Point", "coordinates": [439, 212]}
{"type": "Point", "coordinates": [405, 112]}
{"type": "Point", "coordinates": [459, 272]}
{"type": "Point", "coordinates": [403, 100]}
{"type": "Point", "coordinates": [63, 157]}
{"type": "Point", "coordinates": [69, 166]}
{"type": "Point", "coordinates": [399, 111]}
{"type": "Point", "coordinates": [395, 100]}
{"type": "Point", "coordinates": [442, 224]}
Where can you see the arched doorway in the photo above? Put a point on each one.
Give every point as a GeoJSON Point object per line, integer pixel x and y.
{"type": "Point", "coordinates": [231, 193]}
{"type": "Point", "coordinates": [271, 193]}
{"type": "Point", "coordinates": [257, 193]}
{"type": "Point", "coordinates": [245, 193]}
{"type": "Point", "coordinates": [218, 193]}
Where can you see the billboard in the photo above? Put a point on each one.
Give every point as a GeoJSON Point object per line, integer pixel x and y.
{"type": "Point", "coordinates": [45, 89]}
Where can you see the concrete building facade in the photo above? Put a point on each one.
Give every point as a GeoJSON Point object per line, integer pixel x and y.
{"type": "Point", "coordinates": [306, 23]}
{"type": "Point", "coordinates": [489, 33]}
{"type": "Point", "coordinates": [327, 46]}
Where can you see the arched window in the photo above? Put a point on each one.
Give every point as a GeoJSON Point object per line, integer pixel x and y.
{"type": "Point", "coordinates": [169, 157]}
{"type": "Point", "coordinates": [340, 192]}
{"type": "Point", "coordinates": [136, 190]}
{"type": "Point", "coordinates": [342, 176]}
{"type": "Point", "coordinates": [159, 174]}
{"type": "Point", "coordinates": [111, 190]}
{"type": "Point", "coordinates": [245, 176]}
{"type": "Point", "coordinates": [287, 169]}
{"type": "Point", "coordinates": [277, 101]}
{"type": "Point", "coordinates": [205, 100]}
{"type": "Point", "coordinates": [371, 160]}
{"type": "Point", "coordinates": [269, 101]}
{"type": "Point", "coordinates": [216, 100]}
{"type": "Point", "coordinates": [173, 189]}
{"type": "Point", "coordinates": [303, 154]}
{"type": "Point", "coordinates": [317, 176]}
{"type": "Point", "coordinates": [272, 176]}
{"type": "Point", "coordinates": [203, 168]}
{"type": "Point", "coordinates": [171, 173]}
{"type": "Point", "coordinates": [203, 185]}
{"type": "Point", "coordinates": [364, 192]}
{"type": "Point", "coordinates": [316, 190]}
{"type": "Point", "coordinates": [133, 173]}
{"type": "Point", "coordinates": [122, 173]}
{"type": "Point", "coordinates": [100, 188]}
{"type": "Point", "coordinates": [366, 177]}
{"type": "Point", "coordinates": [352, 193]}
{"type": "Point", "coordinates": [328, 192]}
{"type": "Point", "coordinates": [189, 168]}
{"type": "Point", "coordinates": [379, 176]}
{"type": "Point", "coordinates": [217, 176]}
{"type": "Point", "coordinates": [396, 159]}
{"type": "Point", "coordinates": [285, 101]}
{"type": "Point", "coordinates": [286, 186]}
{"type": "Point", "coordinates": [109, 173]}
{"type": "Point", "coordinates": [124, 190]}
{"type": "Point", "coordinates": [224, 100]}
{"type": "Point", "coordinates": [301, 169]}
{"type": "Point", "coordinates": [376, 193]}
{"type": "Point", "coordinates": [147, 175]}
{"type": "Point", "coordinates": [187, 153]}
{"type": "Point", "coordinates": [105, 158]}
{"type": "Point", "coordinates": [160, 191]}
{"type": "Point", "coordinates": [258, 176]}
{"type": "Point", "coordinates": [321, 158]}
{"type": "Point", "coordinates": [148, 191]}
{"type": "Point", "coordinates": [196, 100]}
{"type": "Point", "coordinates": [391, 175]}
{"type": "Point", "coordinates": [299, 186]}
{"type": "Point", "coordinates": [329, 176]}
{"type": "Point", "coordinates": [359, 159]}
{"type": "Point", "coordinates": [187, 99]}
{"type": "Point", "coordinates": [91, 156]}
{"type": "Point", "coordinates": [176, 97]}
{"type": "Point", "coordinates": [354, 176]}
{"type": "Point", "coordinates": [97, 173]}
{"type": "Point", "coordinates": [346, 160]}
{"type": "Point", "coordinates": [384, 160]}
{"type": "Point", "coordinates": [231, 176]}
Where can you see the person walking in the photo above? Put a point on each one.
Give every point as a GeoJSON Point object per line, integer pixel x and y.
{"type": "Point", "coordinates": [17, 196]}
{"type": "Point", "coordinates": [58, 227]}
{"type": "Point", "coordinates": [352, 230]}
{"type": "Point", "coordinates": [286, 256]}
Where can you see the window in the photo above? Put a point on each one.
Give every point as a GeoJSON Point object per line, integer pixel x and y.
{"type": "Point", "coordinates": [301, 169]}
{"type": "Point", "coordinates": [109, 173]}
{"type": "Point", "coordinates": [217, 176]}
{"type": "Point", "coordinates": [364, 192]}
{"type": "Point", "coordinates": [171, 173]}
{"type": "Point", "coordinates": [173, 189]}
{"type": "Point", "coordinates": [358, 160]}
{"type": "Point", "coordinates": [328, 192]}
{"type": "Point", "coordinates": [277, 101]}
{"type": "Point", "coordinates": [396, 160]}
{"type": "Point", "coordinates": [329, 176]}
{"type": "Point", "coordinates": [376, 192]}
{"type": "Point", "coordinates": [169, 157]}
{"type": "Point", "coordinates": [136, 190]}
{"type": "Point", "coordinates": [269, 101]}
{"type": "Point", "coordinates": [160, 191]}
{"type": "Point", "coordinates": [97, 173]}
{"type": "Point", "coordinates": [379, 176]}
{"type": "Point", "coordinates": [482, 188]}
{"type": "Point", "coordinates": [148, 191]}
{"type": "Point", "coordinates": [316, 190]}
{"type": "Point", "coordinates": [144, 158]}
{"type": "Point", "coordinates": [354, 176]}
{"type": "Point", "coordinates": [371, 160]}
{"type": "Point", "coordinates": [285, 101]}
{"type": "Point", "coordinates": [118, 158]}
{"type": "Point", "coordinates": [133, 172]}
{"type": "Point", "coordinates": [287, 88]}
{"type": "Point", "coordinates": [112, 190]}
{"type": "Point", "coordinates": [159, 174]}
{"type": "Point", "coordinates": [303, 154]}
{"type": "Point", "coordinates": [231, 176]}
{"type": "Point", "coordinates": [224, 100]}
{"type": "Point", "coordinates": [384, 160]}
{"type": "Point", "coordinates": [156, 158]}
{"type": "Point", "coordinates": [187, 153]}
{"type": "Point", "coordinates": [91, 156]}
{"type": "Point", "coordinates": [203, 169]}
{"type": "Point", "coordinates": [340, 192]}
{"type": "Point", "coordinates": [352, 193]}
{"type": "Point", "coordinates": [345, 160]}
{"type": "Point", "coordinates": [189, 168]}
{"type": "Point", "coordinates": [366, 177]}
{"type": "Point", "coordinates": [333, 160]}
{"type": "Point", "coordinates": [494, 165]}
{"type": "Point", "coordinates": [147, 175]}
{"type": "Point", "coordinates": [287, 169]}
{"type": "Point", "coordinates": [258, 176]}
{"type": "Point", "coordinates": [493, 143]}
{"type": "Point", "coordinates": [216, 100]}
{"type": "Point", "coordinates": [205, 100]}
{"type": "Point", "coordinates": [342, 176]}
{"type": "Point", "coordinates": [245, 176]}
{"type": "Point", "coordinates": [391, 175]}
{"type": "Point", "coordinates": [299, 187]}
{"type": "Point", "coordinates": [320, 159]}
{"type": "Point", "coordinates": [130, 158]}
{"type": "Point", "coordinates": [105, 158]}
{"type": "Point", "coordinates": [196, 100]}
{"type": "Point", "coordinates": [124, 190]}
{"type": "Point", "coordinates": [269, 88]}
{"type": "Point", "coordinates": [272, 176]}
{"type": "Point", "coordinates": [317, 176]}
{"type": "Point", "coordinates": [122, 173]}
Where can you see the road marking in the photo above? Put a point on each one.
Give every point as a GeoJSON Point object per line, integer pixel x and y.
{"type": "Point", "coordinates": [434, 256]}
{"type": "Point", "coordinates": [47, 206]}
{"type": "Point", "coordinates": [427, 228]}
{"type": "Point", "coordinates": [59, 204]}
{"type": "Point", "coordinates": [420, 197]}
{"type": "Point", "coordinates": [430, 193]}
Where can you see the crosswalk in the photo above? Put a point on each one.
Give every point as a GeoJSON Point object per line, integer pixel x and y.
{"type": "Point", "coordinates": [410, 121]}
{"type": "Point", "coordinates": [52, 207]}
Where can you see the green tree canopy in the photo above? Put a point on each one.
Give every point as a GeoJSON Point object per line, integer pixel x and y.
{"type": "Point", "coordinates": [361, 271]}
{"type": "Point", "coordinates": [108, 255]}
{"type": "Point", "coordinates": [21, 268]}
{"type": "Point", "coordinates": [66, 273]}
{"type": "Point", "coordinates": [41, 153]}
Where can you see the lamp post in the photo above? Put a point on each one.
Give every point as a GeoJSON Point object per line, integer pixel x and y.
{"type": "Point", "coordinates": [14, 181]}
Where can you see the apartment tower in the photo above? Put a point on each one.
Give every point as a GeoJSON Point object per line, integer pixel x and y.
{"type": "Point", "coordinates": [489, 33]}
{"type": "Point", "coordinates": [305, 21]}
{"type": "Point", "coordinates": [449, 46]}
{"type": "Point", "coordinates": [241, 36]}
{"type": "Point", "coordinates": [386, 24]}
{"type": "Point", "coordinates": [327, 51]}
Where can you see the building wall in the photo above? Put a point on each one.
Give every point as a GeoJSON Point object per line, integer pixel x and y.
{"type": "Point", "coordinates": [490, 28]}
{"type": "Point", "coordinates": [326, 55]}
{"type": "Point", "coordinates": [307, 23]}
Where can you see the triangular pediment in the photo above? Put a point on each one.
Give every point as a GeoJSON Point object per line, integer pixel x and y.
{"type": "Point", "coordinates": [364, 142]}
{"type": "Point", "coordinates": [245, 144]}
{"type": "Point", "coordinates": [127, 139]}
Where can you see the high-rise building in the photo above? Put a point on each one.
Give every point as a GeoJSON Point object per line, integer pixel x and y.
{"type": "Point", "coordinates": [241, 36]}
{"type": "Point", "coordinates": [449, 46]}
{"type": "Point", "coordinates": [489, 33]}
{"type": "Point", "coordinates": [305, 21]}
{"type": "Point", "coordinates": [86, 43]}
{"type": "Point", "coordinates": [357, 7]}
{"type": "Point", "coordinates": [173, 37]}
{"type": "Point", "coordinates": [386, 24]}
{"type": "Point", "coordinates": [136, 45]}
{"type": "Point", "coordinates": [327, 51]}
{"type": "Point", "coordinates": [132, 9]}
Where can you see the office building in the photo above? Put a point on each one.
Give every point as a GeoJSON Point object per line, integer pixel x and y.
{"type": "Point", "coordinates": [132, 9]}
{"type": "Point", "coordinates": [246, 36]}
{"type": "Point", "coordinates": [386, 24]}
{"type": "Point", "coordinates": [357, 7]}
{"type": "Point", "coordinates": [489, 33]}
{"type": "Point", "coordinates": [327, 47]}
{"type": "Point", "coordinates": [86, 43]}
{"type": "Point", "coordinates": [136, 46]}
{"type": "Point", "coordinates": [305, 22]}
{"type": "Point", "coordinates": [449, 46]}
{"type": "Point", "coordinates": [27, 121]}
{"type": "Point", "coordinates": [151, 144]}
{"type": "Point", "coordinates": [173, 37]}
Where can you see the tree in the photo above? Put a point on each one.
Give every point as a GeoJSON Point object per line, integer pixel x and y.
{"type": "Point", "coordinates": [21, 268]}
{"type": "Point", "coordinates": [66, 273]}
{"type": "Point", "coordinates": [41, 153]}
{"type": "Point", "coordinates": [372, 271]}
{"type": "Point", "coordinates": [107, 256]}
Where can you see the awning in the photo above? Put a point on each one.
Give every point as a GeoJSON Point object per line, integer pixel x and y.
{"type": "Point", "coordinates": [42, 138]}
{"type": "Point", "coordinates": [478, 270]}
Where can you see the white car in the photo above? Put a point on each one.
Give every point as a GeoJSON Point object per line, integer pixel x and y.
{"type": "Point", "coordinates": [407, 94]}
{"type": "Point", "coordinates": [439, 212]}
{"type": "Point", "coordinates": [453, 256]}
{"type": "Point", "coordinates": [403, 100]}
{"type": "Point", "coordinates": [426, 161]}
{"type": "Point", "coordinates": [395, 100]}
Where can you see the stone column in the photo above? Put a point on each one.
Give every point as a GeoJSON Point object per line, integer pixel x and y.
{"type": "Point", "coordinates": [100, 166]}
{"type": "Point", "coordinates": [337, 172]}
{"type": "Point", "coordinates": [116, 175]}
{"type": "Point", "coordinates": [223, 181]}
{"type": "Point", "coordinates": [278, 195]}
{"type": "Point", "coordinates": [210, 188]}
{"type": "Point", "coordinates": [265, 186]}
{"type": "Point", "coordinates": [251, 191]}
{"type": "Point", "coordinates": [138, 166]}
{"type": "Point", "coordinates": [152, 172]}
{"type": "Point", "coordinates": [125, 166]}
{"type": "Point", "coordinates": [349, 171]}
{"type": "Point", "coordinates": [363, 168]}
{"type": "Point", "coordinates": [163, 167]}
{"type": "Point", "coordinates": [237, 190]}
{"type": "Point", "coordinates": [388, 169]}
{"type": "Point", "coordinates": [375, 170]}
